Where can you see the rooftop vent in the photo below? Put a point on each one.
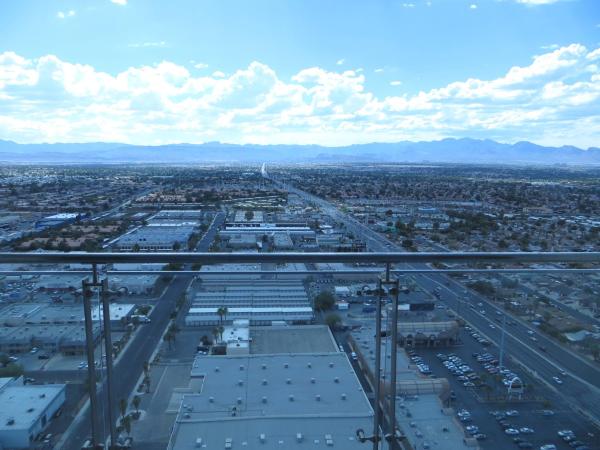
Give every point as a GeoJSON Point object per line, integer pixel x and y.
{"type": "Point", "coordinates": [328, 440]}
{"type": "Point", "coordinates": [288, 381]}
{"type": "Point", "coordinates": [343, 396]}
{"type": "Point", "coordinates": [286, 365]}
{"type": "Point", "coordinates": [239, 400]}
{"type": "Point", "coordinates": [318, 397]}
{"type": "Point", "coordinates": [309, 365]}
{"type": "Point", "coordinates": [241, 367]}
{"type": "Point", "coordinates": [291, 397]}
{"type": "Point", "coordinates": [299, 437]}
{"type": "Point", "coordinates": [313, 381]}
{"type": "Point", "coordinates": [330, 364]}
{"type": "Point", "coordinates": [336, 380]}
{"type": "Point", "coordinates": [228, 443]}
{"type": "Point", "coordinates": [199, 442]}
{"type": "Point", "coordinates": [264, 366]}
{"type": "Point", "coordinates": [217, 369]}
{"type": "Point", "coordinates": [187, 415]}
{"type": "Point", "coordinates": [240, 382]}
{"type": "Point", "coordinates": [211, 399]}
{"type": "Point", "coordinates": [264, 399]}
{"type": "Point", "coordinates": [264, 382]}
{"type": "Point", "coordinates": [262, 437]}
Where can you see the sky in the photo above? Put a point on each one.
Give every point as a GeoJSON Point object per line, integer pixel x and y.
{"type": "Point", "coordinates": [333, 72]}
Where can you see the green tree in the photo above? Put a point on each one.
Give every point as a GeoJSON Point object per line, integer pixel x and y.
{"type": "Point", "coordinates": [333, 320]}
{"type": "Point", "coordinates": [126, 422]}
{"type": "Point", "coordinates": [249, 215]}
{"type": "Point", "coordinates": [123, 407]}
{"type": "Point", "coordinates": [324, 301]}
{"type": "Point", "coordinates": [135, 402]}
{"type": "Point", "coordinates": [222, 312]}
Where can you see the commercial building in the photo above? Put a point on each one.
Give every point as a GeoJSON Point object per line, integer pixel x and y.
{"type": "Point", "coordinates": [172, 216]}
{"type": "Point", "coordinates": [26, 411]}
{"type": "Point", "coordinates": [272, 402]}
{"type": "Point", "coordinates": [263, 302]}
{"type": "Point", "coordinates": [68, 339]}
{"type": "Point", "coordinates": [56, 220]}
{"type": "Point", "coordinates": [156, 238]}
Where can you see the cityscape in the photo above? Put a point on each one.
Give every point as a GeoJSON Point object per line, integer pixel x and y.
{"type": "Point", "coordinates": [296, 254]}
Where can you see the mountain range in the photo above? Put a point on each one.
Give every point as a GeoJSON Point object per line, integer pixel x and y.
{"type": "Point", "coordinates": [449, 150]}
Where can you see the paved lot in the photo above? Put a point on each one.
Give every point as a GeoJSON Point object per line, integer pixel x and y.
{"type": "Point", "coordinates": [170, 379]}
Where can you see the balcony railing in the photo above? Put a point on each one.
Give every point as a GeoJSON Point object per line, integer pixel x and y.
{"type": "Point", "coordinates": [390, 264]}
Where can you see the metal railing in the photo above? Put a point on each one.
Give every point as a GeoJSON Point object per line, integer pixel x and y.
{"type": "Point", "coordinates": [412, 263]}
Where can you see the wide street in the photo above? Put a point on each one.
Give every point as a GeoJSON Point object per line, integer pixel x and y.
{"type": "Point", "coordinates": [129, 367]}
{"type": "Point", "coordinates": [581, 386]}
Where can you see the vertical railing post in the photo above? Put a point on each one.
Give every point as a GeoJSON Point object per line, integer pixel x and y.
{"type": "Point", "coordinates": [108, 349]}
{"type": "Point", "coordinates": [377, 375]}
{"type": "Point", "coordinates": [90, 344]}
{"type": "Point", "coordinates": [394, 359]}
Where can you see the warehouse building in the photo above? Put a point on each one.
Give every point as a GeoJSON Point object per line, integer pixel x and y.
{"type": "Point", "coordinates": [156, 238]}
{"type": "Point", "coordinates": [272, 402]}
{"type": "Point", "coordinates": [68, 339]}
{"type": "Point", "coordinates": [56, 220]}
{"type": "Point", "coordinates": [26, 411]}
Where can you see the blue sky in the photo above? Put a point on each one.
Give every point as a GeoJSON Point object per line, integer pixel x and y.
{"type": "Point", "coordinates": [332, 72]}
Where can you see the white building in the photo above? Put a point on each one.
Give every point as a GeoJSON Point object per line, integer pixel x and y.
{"type": "Point", "coordinates": [26, 411]}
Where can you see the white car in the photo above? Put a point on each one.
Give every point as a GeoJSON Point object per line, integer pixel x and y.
{"type": "Point", "coordinates": [511, 431]}
{"type": "Point", "coordinates": [548, 447]}
{"type": "Point", "coordinates": [557, 380]}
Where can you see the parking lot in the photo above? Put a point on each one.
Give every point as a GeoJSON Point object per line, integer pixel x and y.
{"type": "Point", "coordinates": [479, 398]}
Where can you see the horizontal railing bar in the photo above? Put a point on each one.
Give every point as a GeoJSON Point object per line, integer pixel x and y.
{"type": "Point", "coordinates": [222, 258]}
{"type": "Point", "coordinates": [296, 272]}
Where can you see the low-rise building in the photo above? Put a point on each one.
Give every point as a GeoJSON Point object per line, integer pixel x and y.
{"type": "Point", "coordinates": [26, 411]}
{"type": "Point", "coordinates": [272, 402]}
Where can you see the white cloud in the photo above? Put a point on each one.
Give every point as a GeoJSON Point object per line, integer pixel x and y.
{"type": "Point", "coordinates": [408, 5]}
{"type": "Point", "coordinates": [65, 14]}
{"type": "Point", "coordinates": [200, 66]}
{"type": "Point", "coordinates": [395, 83]}
{"type": "Point", "coordinates": [555, 99]}
{"type": "Point", "coordinates": [339, 62]}
{"type": "Point", "coordinates": [473, 6]}
{"type": "Point", "coordinates": [378, 70]}
{"type": "Point", "coordinates": [119, 2]}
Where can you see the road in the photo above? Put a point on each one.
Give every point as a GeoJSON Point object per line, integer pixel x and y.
{"type": "Point", "coordinates": [129, 367]}
{"type": "Point", "coordinates": [580, 389]}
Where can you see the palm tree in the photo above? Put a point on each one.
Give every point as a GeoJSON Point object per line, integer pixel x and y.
{"type": "Point", "coordinates": [135, 402]}
{"type": "Point", "coordinates": [168, 338]}
{"type": "Point", "coordinates": [215, 333]}
{"type": "Point", "coordinates": [221, 329]}
{"type": "Point", "coordinates": [123, 407]}
{"type": "Point", "coordinates": [222, 311]}
{"type": "Point", "coordinates": [126, 422]}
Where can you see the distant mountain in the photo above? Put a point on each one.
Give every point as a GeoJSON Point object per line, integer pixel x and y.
{"type": "Point", "coordinates": [446, 150]}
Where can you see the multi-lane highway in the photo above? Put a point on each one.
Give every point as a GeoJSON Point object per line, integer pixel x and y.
{"type": "Point", "coordinates": [581, 386]}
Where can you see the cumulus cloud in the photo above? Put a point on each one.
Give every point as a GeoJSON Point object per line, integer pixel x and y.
{"type": "Point", "coordinates": [340, 62]}
{"type": "Point", "coordinates": [395, 83]}
{"type": "Point", "coordinates": [555, 99]}
{"type": "Point", "coordinates": [65, 14]}
{"type": "Point", "coordinates": [119, 2]}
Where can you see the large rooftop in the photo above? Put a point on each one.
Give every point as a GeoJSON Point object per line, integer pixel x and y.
{"type": "Point", "coordinates": [292, 339]}
{"type": "Point", "coordinates": [22, 405]}
{"type": "Point", "coordinates": [272, 401]}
